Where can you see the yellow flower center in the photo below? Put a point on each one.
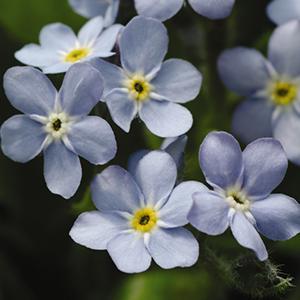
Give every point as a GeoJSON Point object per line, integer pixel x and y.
{"type": "Point", "coordinates": [283, 93]}
{"type": "Point", "coordinates": [77, 54]}
{"type": "Point", "coordinates": [237, 199]}
{"type": "Point", "coordinates": [144, 219]}
{"type": "Point", "coordinates": [139, 88]}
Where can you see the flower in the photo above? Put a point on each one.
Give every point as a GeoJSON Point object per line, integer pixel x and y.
{"type": "Point", "coordinates": [140, 217]}
{"type": "Point", "coordinates": [271, 87]}
{"type": "Point", "coordinates": [57, 124]}
{"type": "Point", "coordinates": [60, 48]}
{"type": "Point", "coordinates": [241, 198]}
{"type": "Point", "coordinates": [282, 11]}
{"type": "Point", "coordinates": [108, 9]}
{"type": "Point", "coordinates": [146, 86]}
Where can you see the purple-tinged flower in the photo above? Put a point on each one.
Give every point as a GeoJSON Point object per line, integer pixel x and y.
{"type": "Point", "coordinates": [241, 197]}
{"type": "Point", "coordinates": [146, 86]}
{"type": "Point", "coordinates": [282, 11]}
{"type": "Point", "coordinates": [56, 123]}
{"type": "Point", "coordinates": [140, 217]}
{"type": "Point", "coordinates": [60, 48]}
{"type": "Point", "coordinates": [272, 89]}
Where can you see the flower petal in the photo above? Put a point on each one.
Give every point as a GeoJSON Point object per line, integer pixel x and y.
{"type": "Point", "coordinates": [143, 45]}
{"type": "Point", "coordinates": [244, 70]}
{"type": "Point", "coordinates": [265, 165]}
{"type": "Point", "coordinates": [177, 81]}
{"type": "Point", "coordinates": [277, 217]}
{"type": "Point", "coordinates": [134, 160]}
{"type": "Point", "coordinates": [115, 190]}
{"type": "Point", "coordinates": [246, 235]}
{"type": "Point", "coordinates": [221, 160]}
{"type": "Point", "coordinates": [172, 248]}
{"type": "Point", "coordinates": [89, 33]}
{"type": "Point", "coordinates": [29, 90]}
{"type": "Point", "coordinates": [252, 119]}
{"type": "Point", "coordinates": [166, 119]}
{"type": "Point", "coordinates": [209, 213]}
{"type": "Point", "coordinates": [60, 67]}
{"type": "Point", "coordinates": [62, 170]}
{"type": "Point", "coordinates": [82, 88]}
{"type": "Point", "coordinates": [156, 176]}
{"type": "Point", "coordinates": [213, 9]}
{"type": "Point", "coordinates": [158, 9]}
{"type": "Point", "coordinates": [22, 138]}
{"type": "Point", "coordinates": [95, 229]}
{"type": "Point", "coordinates": [129, 253]}
{"type": "Point", "coordinates": [94, 140]}
{"type": "Point", "coordinates": [174, 212]}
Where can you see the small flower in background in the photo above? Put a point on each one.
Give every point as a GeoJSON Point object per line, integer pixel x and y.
{"type": "Point", "coordinates": [60, 48]}
{"type": "Point", "coordinates": [272, 89]}
{"type": "Point", "coordinates": [242, 199]}
{"type": "Point", "coordinates": [108, 9]}
{"type": "Point", "coordinates": [146, 86]}
{"type": "Point", "coordinates": [282, 11]}
{"type": "Point", "coordinates": [140, 217]}
{"type": "Point", "coordinates": [57, 124]}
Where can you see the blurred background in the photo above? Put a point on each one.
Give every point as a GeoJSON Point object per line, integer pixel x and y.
{"type": "Point", "coordinates": [38, 260]}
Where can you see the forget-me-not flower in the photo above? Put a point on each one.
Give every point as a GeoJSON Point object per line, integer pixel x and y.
{"type": "Point", "coordinates": [60, 48]}
{"type": "Point", "coordinates": [56, 123]}
{"type": "Point", "coordinates": [146, 86]}
{"type": "Point", "coordinates": [272, 89]}
{"type": "Point", "coordinates": [242, 199]}
{"type": "Point", "coordinates": [140, 217]}
{"type": "Point", "coordinates": [282, 11]}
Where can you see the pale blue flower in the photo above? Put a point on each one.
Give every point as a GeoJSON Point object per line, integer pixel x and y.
{"type": "Point", "coordinates": [282, 11]}
{"type": "Point", "coordinates": [56, 123]}
{"type": "Point", "coordinates": [140, 217]}
{"type": "Point", "coordinates": [146, 86]}
{"type": "Point", "coordinates": [241, 197]}
{"type": "Point", "coordinates": [272, 89]}
{"type": "Point", "coordinates": [60, 48]}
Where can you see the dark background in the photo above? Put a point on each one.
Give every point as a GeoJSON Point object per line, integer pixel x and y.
{"type": "Point", "coordinates": [38, 260]}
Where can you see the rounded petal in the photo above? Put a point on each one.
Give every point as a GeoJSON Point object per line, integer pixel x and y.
{"type": "Point", "coordinates": [134, 159]}
{"type": "Point", "coordinates": [29, 90]}
{"type": "Point", "coordinates": [89, 33]}
{"type": "Point", "coordinates": [209, 213]}
{"type": "Point", "coordinates": [166, 119]}
{"type": "Point", "coordinates": [93, 139]}
{"type": "Point", "coordinates": [22, 138]}
{"type": "Point", "coordinates": [177, 81]}
{"type": "Point", "coordinates": [252, 119]}
{"type": "Point", "coordinates": [115, 190]}
{"type": "Point", "coordinates": [265, 164]}
{"type": "Point", "coordinates": [221, 160]}
{"type": "Point", "coordinates": [282, 11]}
{"type": "Point", "coordinates": [172, 248]}
{"type": "Point", "coordinates": [246, 235]}
{"type": "Point", "coordinates": [129, 253]}
{"type": "Point", "coordinates": [95, 229]}
{"type": "Point", "coordinates": [60, 67]}
{"type": "Point", "coordinates": [244, 70]}
{"type": "Point", "coordinates": [277, 217]}
{"type": "Point", "coordinates": [156, 176]}
{"type": "Point", "coordinates": [82, 88]}
{"type": "Point", "coordinates": [143, 45]}
{"type": "Point", "coordinates": [62, 170]}
{"type": "Point", "coordinates": [57, 36]}
{"type": "Point", "coordinates": [284, 49]}
{"type": "Point", "coordinates": [174, 212]}
{"type": "Point", "coordinates": [111, 13]}
{"type": "Point", "coordinates": [158, 9]}
{"type": "Point", "coordinates": [213, 9]}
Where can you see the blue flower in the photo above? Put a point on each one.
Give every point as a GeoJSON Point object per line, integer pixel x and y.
{"type": "Point", "coordinates": [146, 86]}
{"type": "Point", "coordinates": [57, 124]}
{"type": "Point", "coordinates": [281, 11]}
{"type": "Point", "coordinates": [242, 199]}
{"type": "Point", "coordinates": [140, 217]}
{"type": "Point", "coordinates": [60, 48]}
{"type": "Point", "coordinates": [272, 89]}
{"type": "Point", "coordinates": [108, 9]}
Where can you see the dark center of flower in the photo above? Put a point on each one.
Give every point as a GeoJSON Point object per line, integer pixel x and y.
{"type": "Point", "coordinates": [139, 87]}
{"type": "Point", "coordinates": [282, 92]}
{"type": "Point", "coordinates": [144, 220]}
{"type": "Point", "coordinates": [237, 199]}
{"type": "Point", "coordinates": [56, 124]}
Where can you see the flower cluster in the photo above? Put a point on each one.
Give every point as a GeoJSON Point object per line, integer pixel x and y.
{"type": "Point", "coordinates": [141, 213]}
